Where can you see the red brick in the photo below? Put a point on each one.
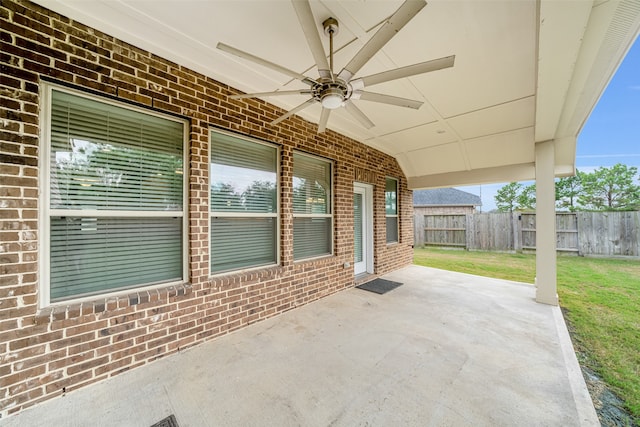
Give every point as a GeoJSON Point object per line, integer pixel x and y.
{"type": "Point", "coordinates": [23, 375]}
{"type": "Point", "coordinates": [90, 364]}
{"type": "Point", "coordinates": [62, 384]}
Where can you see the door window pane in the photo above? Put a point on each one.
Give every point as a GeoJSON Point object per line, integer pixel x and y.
{"type": "Point", "coordinates": [391, 209]}
{"type": "Point", "coordinates": [358, 231]}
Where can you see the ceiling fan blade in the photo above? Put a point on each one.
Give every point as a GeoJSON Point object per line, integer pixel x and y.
{"type": "Point", "coordinates": [408, 71]}
{"type": "Point", "coordinates": [264, 63]}
{"type": "Point", "coordinates": [295, 110]}
{"type": "Point", "coordinates": [399, 19]}
{"type": "Point", "coordinates": [388, 99]}
{"type": "Point", "coordinates": [324, 118]}
{"type": "Point", "coordinates": [308, 24]}
{"type": "Point", "coordinates": [276, 93]}
{"type": "Point", "coordinates": [358, 115]}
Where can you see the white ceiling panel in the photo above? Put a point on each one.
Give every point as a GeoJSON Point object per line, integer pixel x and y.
{"type": "Point", "coordinates": [407, 140]}
{"type": "Point", "coordinates": [500, 118]}
{"type": "Point", "coordinates": [491, 151]}
{"type": "Point", "coordinates": [438, 159]}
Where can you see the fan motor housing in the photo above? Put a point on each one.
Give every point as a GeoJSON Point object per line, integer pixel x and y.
{"type": "Point", "coordinates": [326, 87]}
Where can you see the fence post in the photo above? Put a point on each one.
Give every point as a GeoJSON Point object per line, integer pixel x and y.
{"type": "Point", "coordinates": [516, 220]}
{"type": "Point", "coordinates": [579, 237]}
{"type": "Point", "coordinates": [418, 229]}
{"type": "Point", "coordinates": [468, 232]}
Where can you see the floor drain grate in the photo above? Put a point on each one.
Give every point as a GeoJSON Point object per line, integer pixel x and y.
{"type": "Point", "coordinates": [170, 421]}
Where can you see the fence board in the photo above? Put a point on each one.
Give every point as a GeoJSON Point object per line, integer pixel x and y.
{"type": "Point", "coordinates": [567, 232]}
{"type": "Point", "coordinates": [491, 231]}
{"type": "Point", "coordinates": [445, 230]}
{"type": "Point", "coordinates": [609, 233]}
{"type": "Point", "coordinates": [586, 233]}
{"type": "Point", "coordinates": [418, 230]}
{"type": "Point", "coordinates": [528, 230]}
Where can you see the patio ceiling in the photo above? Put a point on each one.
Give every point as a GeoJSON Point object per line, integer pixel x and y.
{"type": "Point", "coordinates": [525, 71]}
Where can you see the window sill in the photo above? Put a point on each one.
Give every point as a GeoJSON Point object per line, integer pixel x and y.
{"type": "Point", "coordinates": [243, 271]}
{"type": "Point", "coordinates": [231, 279]}
{"type": "Point", "coordinates": [67, 310]}
{"type": "Point", "coordinates": [321, 258]}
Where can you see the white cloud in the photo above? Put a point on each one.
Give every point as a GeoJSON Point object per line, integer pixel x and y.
{"type": "Point", "coordinates": [587, 169]}
{"type": "Point", "coordinates": [606, 156]}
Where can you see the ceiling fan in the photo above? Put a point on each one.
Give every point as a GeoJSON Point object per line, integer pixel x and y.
{"type": "Point", "coordinates": [333, 90]}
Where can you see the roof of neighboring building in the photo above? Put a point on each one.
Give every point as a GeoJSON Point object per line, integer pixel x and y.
{"type": "Point", "coordinates": [445, 197]}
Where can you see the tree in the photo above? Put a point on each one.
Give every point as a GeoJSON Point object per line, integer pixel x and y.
{"type": "Point", "coordinates": [507, 197]}
{"type": "Point", "coordinates": [225, 198]}
{"type": "Point", "coordinates": [567, 191]}
{"type": "Point", "coordinates": [260, 196]}
{"type": "Point", "coordinates": [527, 198]}
{"type": "Point", "coordinates": [310, 195]}
{"type": "Point", "coordinates": [611, 189]}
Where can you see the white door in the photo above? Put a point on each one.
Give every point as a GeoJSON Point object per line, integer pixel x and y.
{"type": "Point", "coordinates": [362, 228]}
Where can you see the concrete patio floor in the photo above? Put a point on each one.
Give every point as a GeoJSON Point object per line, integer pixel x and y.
{"type": "Point", "coordinates": [444, 349]}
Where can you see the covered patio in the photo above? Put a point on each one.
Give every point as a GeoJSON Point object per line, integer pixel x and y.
{"type": "Point", "coordinates": [442, 349]}
{"type": "Point", "coordinates": [133, 116]}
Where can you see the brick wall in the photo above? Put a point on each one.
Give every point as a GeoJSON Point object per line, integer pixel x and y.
{"type": "Point", "coordinates": [47, 351]}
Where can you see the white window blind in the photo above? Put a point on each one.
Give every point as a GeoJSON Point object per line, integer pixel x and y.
{"type": "Point", "coordinates": [93, 255]}
{"type": "Point", "coordinates": [312, 208]}
{"type": "Point", "coordinates": [391, 209]}
{"type": "Point", "coordinates": [244, 203]}
{"type": "Point", "coordinates": [115, 199]}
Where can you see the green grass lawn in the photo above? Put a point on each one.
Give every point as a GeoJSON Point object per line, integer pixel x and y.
{"type": "Point", "coordinates": [600, 297]}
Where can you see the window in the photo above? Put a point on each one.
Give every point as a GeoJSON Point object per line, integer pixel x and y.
{"type": "Point", "coordinates": [244, 203]}
{"type": "Point", "coordinates": [312, 210]}
{"type": "Point", "coordinates": [391, 209]}
{"type": "Point", "coordinates": [113, 208]}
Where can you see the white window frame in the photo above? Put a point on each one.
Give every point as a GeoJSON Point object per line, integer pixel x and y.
{"type": "Point", "coordinates": [396, 215]}
{"type": "Point", "coordinates": [44, 223]}
{"type": "Point", "coordinates": [331, 208]}
{"type": "Point", "coordinates": [275, 215]}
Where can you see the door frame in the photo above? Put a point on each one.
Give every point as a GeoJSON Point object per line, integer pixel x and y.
{"type": "Point", "coordinates": [367, 191]}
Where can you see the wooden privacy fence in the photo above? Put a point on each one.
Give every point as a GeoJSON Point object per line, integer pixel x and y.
{"type": "Point", "coordinates": [583, 233]}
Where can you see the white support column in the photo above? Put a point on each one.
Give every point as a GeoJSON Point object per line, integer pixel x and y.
{"type": "Point", "coordinates": [546, 292]}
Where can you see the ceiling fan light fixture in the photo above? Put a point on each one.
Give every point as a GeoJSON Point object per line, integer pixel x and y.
{"type": "Point", "coordinates": [333, 90]}
{"type": "Point", "coordinates": [332, 99]}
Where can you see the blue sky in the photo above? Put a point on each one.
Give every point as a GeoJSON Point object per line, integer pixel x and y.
{"type": "Point", "coordinates": [611, 134]}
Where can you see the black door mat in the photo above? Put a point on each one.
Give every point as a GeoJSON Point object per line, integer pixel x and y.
{"type": "Point", "coordinates": [170, 421]}
{"type": "Point", "coordinates": [379, 286]}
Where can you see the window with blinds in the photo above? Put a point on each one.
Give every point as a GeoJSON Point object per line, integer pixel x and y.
{"type": "Point", "coordinates": [312, 207]}
{"type": "Point", "coordinates": [115, 200]}
{"type": "Point", "coordinates": [391, 209]}
{"type": "Point", "coordinates": [244, 203]}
